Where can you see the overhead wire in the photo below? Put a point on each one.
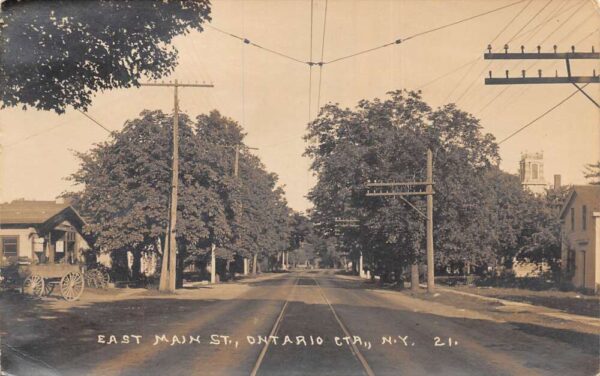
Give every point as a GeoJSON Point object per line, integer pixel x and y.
{"type": "Point", "coordinates": [520, 129]}
{"type": "Point", "coordinates": [248, 41]}
{"type": "Point", "coordinates": [310, 65]}
{"type": "Point", "coordinates": [527, 88]}
{"type": "Point", "coordinates": [530, 20]}
{"type": "Point", "coordinates": [401, 40]}
{"type": "Point", "coordinates": [322, 54]}
{"type": "Point", "coordinates": [536, 62]}
{"type": "Point", "coordinates": [94, 120]}
{"type": "Point", "coordinates": [489, 63]}
{"type": "Point", "coordinates": [505, 89]}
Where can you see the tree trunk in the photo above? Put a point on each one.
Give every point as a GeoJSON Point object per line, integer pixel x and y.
{"type": "Point", "coordinates": [213, 265]}
{"type": "Point", "coordinates": [414, 277]}
{"type": "Point", "coordinates": [136, 266]}
{"type": "Point", "coordinates": [254, 263]}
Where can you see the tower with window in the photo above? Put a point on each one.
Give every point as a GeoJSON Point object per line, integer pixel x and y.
{"type": "Point", "coordinates": [531, 172]}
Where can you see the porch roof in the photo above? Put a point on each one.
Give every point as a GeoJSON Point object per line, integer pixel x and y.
{"type": "Point", "coordinates": [35, 213]}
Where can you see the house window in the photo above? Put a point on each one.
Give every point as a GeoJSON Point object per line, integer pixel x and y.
{"type": "Point", "coordinates": [572, 219]}
{"type": "Point", "coordinates": [10, 245]}
{"type": "Point", "coordinates": [584, 217]}
{"type": "Point", "coordinates": [534, 171]}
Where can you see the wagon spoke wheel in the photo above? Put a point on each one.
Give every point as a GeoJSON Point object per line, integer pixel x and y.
{"type": "Point", "coordinates": [71, 286]}
{"type": "Point", "coordinates": [34, 285]}
{"type": "Point", "coordinates": [91, 278]}
{"type": "Point", "coordinates": [104, 278]}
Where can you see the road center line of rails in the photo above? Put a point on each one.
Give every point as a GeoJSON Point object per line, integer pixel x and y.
{"type": "Point", "coordinates": [274, 330]}
{"type": "Point", "coordinates": [353, 347]}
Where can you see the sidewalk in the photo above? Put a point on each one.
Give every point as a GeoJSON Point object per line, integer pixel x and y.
{"type": "Point", "coordinates": [505, 305]}
{"type": "Point", "coordinates": [530, 308]}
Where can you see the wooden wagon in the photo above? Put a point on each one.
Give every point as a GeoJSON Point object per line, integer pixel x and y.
{"type": "Point", "coordinates": [41, 279]}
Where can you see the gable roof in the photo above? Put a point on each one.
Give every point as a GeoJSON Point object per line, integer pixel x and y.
{"type": "Point", "coordinates": [22, 212]}
{"type": "Point", "coordinates": [588, 194]}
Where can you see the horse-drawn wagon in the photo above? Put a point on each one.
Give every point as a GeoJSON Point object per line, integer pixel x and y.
{"type": "Point", "coordinates": [41, 279]}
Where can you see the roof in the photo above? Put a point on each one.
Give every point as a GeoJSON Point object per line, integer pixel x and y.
{"type": "Point", "coordinates": [30, 212]}
{"type": "Point", "coordinates": [588, 194]}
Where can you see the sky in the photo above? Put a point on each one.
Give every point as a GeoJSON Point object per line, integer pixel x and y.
{"type": "Point", "coordinates": [269, 95]}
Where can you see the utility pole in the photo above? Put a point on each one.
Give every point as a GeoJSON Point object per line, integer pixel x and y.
{"type": "Point", "coordinates": [567, 56]}
{"type": "Point", "coordinates": [402, 189]}
{"type": "Point", "coordinates": [341, 224]}
{"type": "Point", "coordinates": [168, 276]}
{"type": "Point", "coordinates": [236, 171]}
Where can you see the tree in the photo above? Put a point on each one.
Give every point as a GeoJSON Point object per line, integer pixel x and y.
{"type": "Point", "coordinates": [126, 187]}
{"type": "Point", "coordinates": [57, 54]}
{"type": "Point", "coordinates": [387, 140]}
{"type": "Point", "coordinates": [593, 173]}
{"type": "Point", "coordinates": [260, 222]}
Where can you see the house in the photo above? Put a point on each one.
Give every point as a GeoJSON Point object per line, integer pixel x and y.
{"type": "Point", "coordinates": [40, 232]}
{"type": "Point", "coordinates": [580, 229]}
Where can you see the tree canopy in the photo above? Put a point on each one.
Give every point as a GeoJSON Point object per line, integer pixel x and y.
{"type": "Point", "coordinates": [126, 182]}
{"type": "Point", "coordinates": [481, 215]}
{"type": "Point", "coordinates": [56, 54]}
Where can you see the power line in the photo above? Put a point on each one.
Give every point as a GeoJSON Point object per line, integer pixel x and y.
{"type": "Point", "coordinates": [511, 21]}
{"type": "Point", "coordinates": [94, 120]}
{"type": "Point", "coordinates": [322, 53]}
{"type": "Point", "coordinates": [448, 73]}
{"type": "Point", "coordinates": [530, 20]}
{"type": "Point", "coordinates": [492, 41]}
{"type": "Point", "coordinates": [489, 63]}
{"type": "Point", "coordinates": [563, 23]}
{"type": "Point", "coordinates": [399, 40]}
{"type": "Point", "coordinates": [541, 116]}
{"type": "Point", "coordinates": [310, 59]}
{"type": "Point", "coordinates": [534, 63]}
{"type": "Point", "coordinates": [247, 41]}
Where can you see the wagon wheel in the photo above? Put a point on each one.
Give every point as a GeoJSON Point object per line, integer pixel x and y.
{"type": "Point", "coordinates": [91, 278]}
{"type": "Point", "coordinates": [49, 288]}
{"type": "Point", "coordinates": [71, 286]}
{"type": "Point", "coordinates": [103, 278]}
{"type": "Point", "coordinates": [34, 285]}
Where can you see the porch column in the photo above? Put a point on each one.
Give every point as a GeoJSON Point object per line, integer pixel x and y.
{"type": "Point", "coordinates": [596, 251]}
{"type": "Point", "coordinates": [51, 249]}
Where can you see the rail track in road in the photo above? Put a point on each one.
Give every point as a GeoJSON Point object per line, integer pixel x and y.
{"type": "Point", "coordinates": [366, 368]}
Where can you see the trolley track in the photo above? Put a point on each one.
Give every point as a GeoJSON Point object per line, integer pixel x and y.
{"type": "Point", "coordinates": [302, 280]}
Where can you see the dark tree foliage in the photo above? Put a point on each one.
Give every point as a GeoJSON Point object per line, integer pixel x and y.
{"type": "Point", "coordinates": [126, 184]}
{"type": "Point", "coordinates": [387, 140]}
{"type": "Point", "coordinates": [482, 216]}
{"type": "Point", "coordinates": [55, 54]}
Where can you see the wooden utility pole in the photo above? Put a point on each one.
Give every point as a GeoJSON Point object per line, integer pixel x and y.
{"type": "Point", "coordinates": [429, 190]}
{"type": "Point", "coordinates": [402, 189]}
{"type": "Point", "coordinates": [342, 224]}
{"type": "Point", "coordinates": [168, 276]}
{"type": "Point", "coordinates": [236, 172]}
{"type": "Point", "coordinates": [567, 56]}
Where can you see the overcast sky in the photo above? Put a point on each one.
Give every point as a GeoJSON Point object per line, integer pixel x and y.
{"type": "Point", "coordinates": [269, 94]}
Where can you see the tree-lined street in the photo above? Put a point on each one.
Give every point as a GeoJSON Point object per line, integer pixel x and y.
{"type": "Point", "coordinates": [485, 338]}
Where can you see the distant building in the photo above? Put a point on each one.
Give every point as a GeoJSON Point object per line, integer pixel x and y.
{"type": "Point", "coordinates": [40, 231]}
{"type": "Point", "coordinates": [531, 172]}
{"type": "Point", "coordinates": [580, 229]}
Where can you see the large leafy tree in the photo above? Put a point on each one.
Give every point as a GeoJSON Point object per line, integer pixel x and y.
{"type": "Point", "coordinates": [387, 140]}
{"type": "Point", "coordinates": [55, 54]}
{"type": "Point", "coordinates": [126, 187]}
{"type": "Point", "coordinates": [260, 222]}
{"type": "Point", "coordinates": [482, 216]}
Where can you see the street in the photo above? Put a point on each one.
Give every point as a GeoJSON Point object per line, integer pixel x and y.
{"type": "Point", "coordinates": [317, 323]}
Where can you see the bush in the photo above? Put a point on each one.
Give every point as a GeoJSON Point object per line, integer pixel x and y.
{"type": "Point", "coordinates": [509, 280]}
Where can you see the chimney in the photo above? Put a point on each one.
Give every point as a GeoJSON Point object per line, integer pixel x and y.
{"type": "Point", "coordinates": [556, 182]}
